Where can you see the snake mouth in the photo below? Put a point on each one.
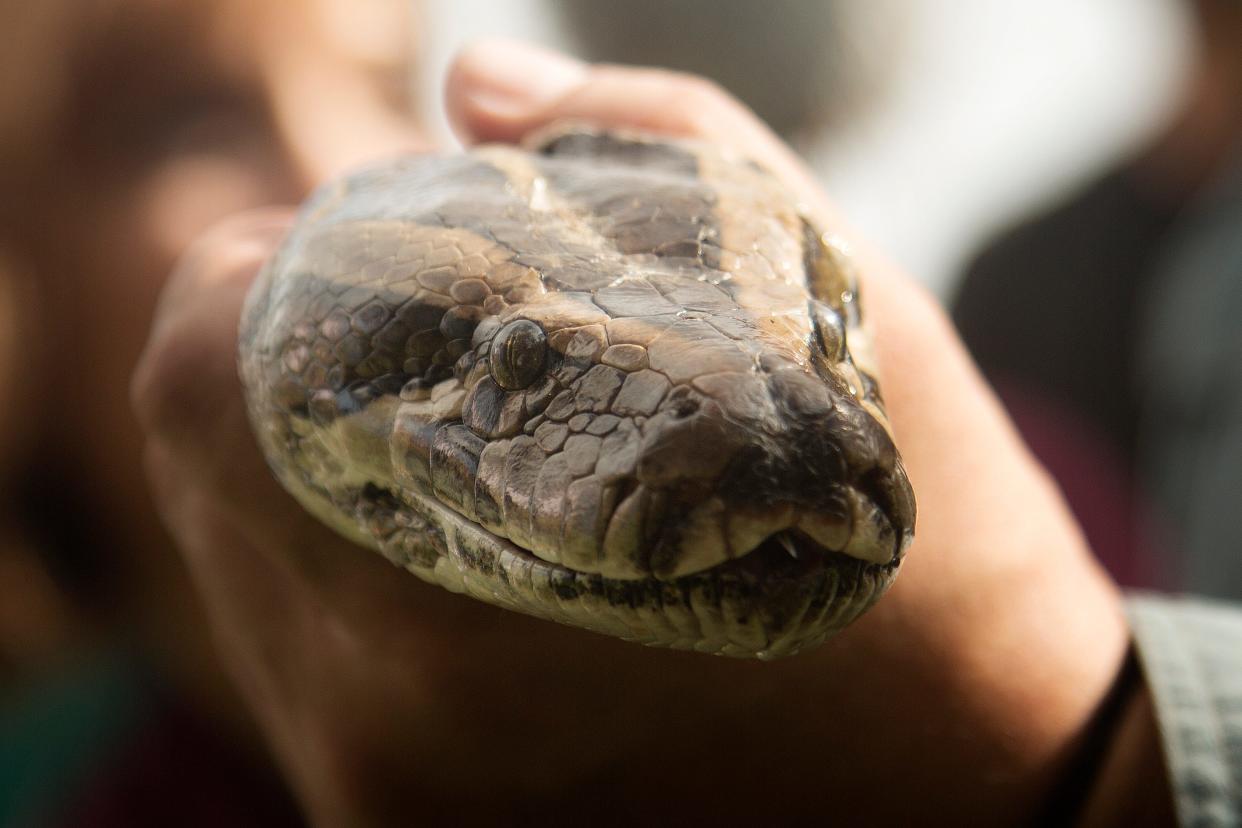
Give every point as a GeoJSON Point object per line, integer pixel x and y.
{"type": "Point", "coordinates": [788, 593]}
{"type": "Point", "coordinates": [787, 554]}
{"type": "Point", "coordinates": [791, 553]}
{"type": "Point", "coordinates": [805, 543]}
{"type": "Point", "coordinates": [790, 558]}
{"type": "Point", "coordinates": [853, 523]}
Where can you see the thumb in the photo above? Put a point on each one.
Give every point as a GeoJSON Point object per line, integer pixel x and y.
{"type": "Point", "coordinates": [503, 90]}
{"type": "Point", "coordinates": [497, 89]}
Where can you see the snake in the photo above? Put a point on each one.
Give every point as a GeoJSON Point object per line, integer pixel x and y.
{"type": "Point", "coordinates": [610, 379]}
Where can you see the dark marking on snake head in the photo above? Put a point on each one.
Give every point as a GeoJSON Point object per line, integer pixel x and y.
{"type": "Point", "coordinates": [686, 445]}
{"type": "Point", "coordinates": [460, 321]}
{"type": "Point", "coordinates": [618, 149]}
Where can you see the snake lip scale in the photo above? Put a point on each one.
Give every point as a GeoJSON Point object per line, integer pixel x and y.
{"type": "Point", "coordinates": [609, 380]}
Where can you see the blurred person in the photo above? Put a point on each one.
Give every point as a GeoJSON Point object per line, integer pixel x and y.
{"type": "Point", "coordinates": [1109, 327]}
{"type": "Point", "coordinates": [996, 684]}
{"type": "Point", "coordinates": [127, 127]}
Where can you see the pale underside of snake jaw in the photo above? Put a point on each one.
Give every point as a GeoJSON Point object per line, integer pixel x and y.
{"type": "Point", "coordinates": [611, 381]}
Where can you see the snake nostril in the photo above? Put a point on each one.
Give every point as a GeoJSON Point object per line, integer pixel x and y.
{"type": "Point", "coordinates": [685, 408]}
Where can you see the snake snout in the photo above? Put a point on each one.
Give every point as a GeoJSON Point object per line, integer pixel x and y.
{"type": "Point", "coordinates": [778, 457]}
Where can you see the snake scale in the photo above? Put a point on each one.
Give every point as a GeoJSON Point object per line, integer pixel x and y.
{"type": "Point", "coordinates": [610, 380]}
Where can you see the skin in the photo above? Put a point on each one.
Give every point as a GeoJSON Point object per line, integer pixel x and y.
{"type": "Point", "coordinates": [963, 697]}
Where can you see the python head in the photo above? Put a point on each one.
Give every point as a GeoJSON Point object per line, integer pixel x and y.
{"type": "Point", "coordinates": [608, 380]}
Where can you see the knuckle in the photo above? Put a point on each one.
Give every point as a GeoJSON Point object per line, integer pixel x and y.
{"type": "Point", "coordinates": [700, 92]}
{"type": "Point", "coordinates": [188, 370]}
{"type": "Point", "coordinates": [703, 94]}
{"type": "Point", "coordinates": [698, 104]}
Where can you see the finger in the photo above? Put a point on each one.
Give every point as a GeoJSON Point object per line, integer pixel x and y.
{"type": "Point", "coordinates": [502, 90]}
{"type": "Point", "coordinates": [227, 254]}
{"type": "Point", "coordinates": [186, 392]}
{"type": "Point", "coordinates": [185, 389]}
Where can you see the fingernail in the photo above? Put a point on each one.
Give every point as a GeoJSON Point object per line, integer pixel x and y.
{"type": "Point", "coordinates": [513, 78]}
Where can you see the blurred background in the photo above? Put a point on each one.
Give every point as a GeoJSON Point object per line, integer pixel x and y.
{"type": "Point", "coordinates": [1065, 176]}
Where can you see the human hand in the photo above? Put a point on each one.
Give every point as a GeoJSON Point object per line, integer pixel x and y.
{"type": "Point", "coordinates": [963, 693]}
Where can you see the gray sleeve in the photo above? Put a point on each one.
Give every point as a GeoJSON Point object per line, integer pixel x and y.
{"type": "Point", "coordinates": [1190, 650]}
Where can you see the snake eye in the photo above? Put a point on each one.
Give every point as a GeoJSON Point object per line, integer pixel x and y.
{"type": "Point", "coordinates": [829, 329]}
{"type": "Point", "coordinates": [518, 355]}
